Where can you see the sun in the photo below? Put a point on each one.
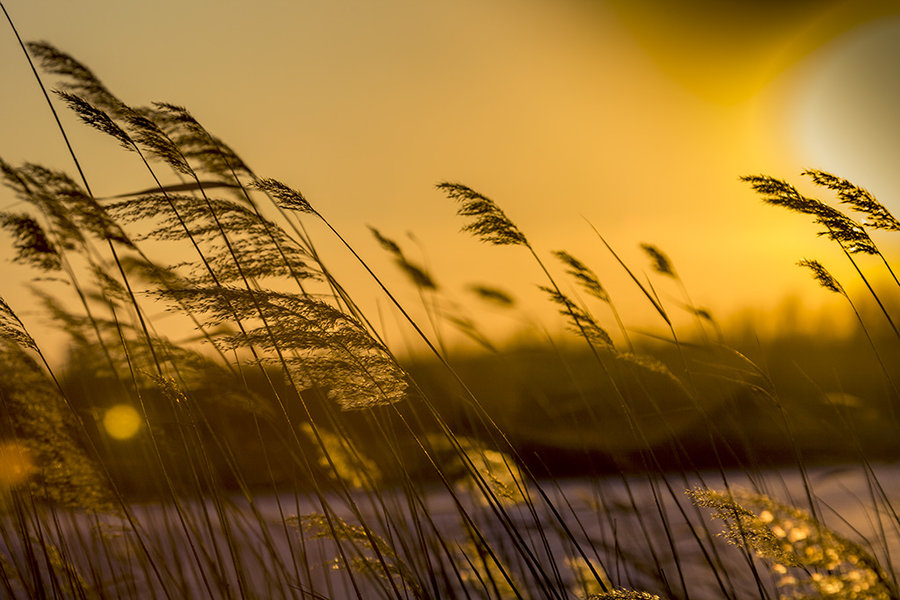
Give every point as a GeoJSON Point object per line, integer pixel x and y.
{"type": "Point", "coordinates": [844, 114]}
{"type": "Point", "coordinates": [16, 464]}
{"type": "Point", "coordinates": [122, 422]}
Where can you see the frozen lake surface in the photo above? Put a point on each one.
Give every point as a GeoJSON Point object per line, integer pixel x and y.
{"type": "Point", "coordinates": [640, 532]}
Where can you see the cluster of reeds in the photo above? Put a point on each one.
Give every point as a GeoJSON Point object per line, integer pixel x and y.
{"type": "Point", "coordinates": [297, 456]}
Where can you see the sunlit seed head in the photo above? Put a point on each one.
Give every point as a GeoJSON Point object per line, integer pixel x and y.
{"type": "Point", "coordinates": [787, 580]}
{"type": "Point", "coordinates": [121, 422]}
{"type": "Point", "coordinates": [766, 517]}
{"type": "Point", "coordinates": [16, 464]}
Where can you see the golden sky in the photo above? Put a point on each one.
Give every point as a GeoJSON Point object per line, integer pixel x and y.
{"type": "Point", "coordinates": [635, 116]}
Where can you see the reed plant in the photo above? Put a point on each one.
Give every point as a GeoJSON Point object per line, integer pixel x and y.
{"type": "Point", "coordinates": [285, 450]}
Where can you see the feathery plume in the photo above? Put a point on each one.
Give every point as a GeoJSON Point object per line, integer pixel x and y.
{"type": "Point", "coordinates": [661, 262]}
{"type": "Point", "coordinates": [284, 196]}
{"type": "Point", "coordinates": [579, 321]}
{"type": "Point", "coordinates": [64, 474]}
{"type": "Point", "coordinates": [822, 276]}
{"type": "Point", "coordinates": [154, 140]}
{"type": "Point", "coordinates": [320, 345]}
{"type": "Point", "coordinates": [497, 470]}
{"type": "Point", "coordinates": [69, 208]}
{"type": "Point", "coordinates": [28, 184]}
{"type": "Point", "coordinates": [467, 327]}
{"type": "Point", "coordinates": [623, 594]}
{"type": "Point", "coordinates": [583, 275]}
{"type": "Point", "coordinates": [417, 274]}
{"type": "Point", "coordinates": [262, 248]}
{"type": "Point", "coordinates": [80, 80]}
{"type": "Point", "coordinates": [860, 199]}
{"type": "Point", "coordinates": [211, 154]}
{"type": "Point", "coordinates": [109, 287]}
{"type": "Point", "coordinates": [96, 118]}
{"type": "Point", "coordinates": [490, 224]}
{"type": "Point", "coordinates": [813, 561]}
{"type": "Point", "coordinates": [376, 557]}
{"type": "Point", "coordinates": [838, 226]}
{"type": "Point", "coordinates": [31, 243]}
{"type": "Point", "coordinates": [387, 244]}
{"type": "Point", "coordinates": [492, 294]}
{"type": "Point", "coordinates": [356, 470]}
{"type": "Point", "coordinates": [11, 328]}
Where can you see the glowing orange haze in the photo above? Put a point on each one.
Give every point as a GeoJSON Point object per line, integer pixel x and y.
{"type": "Point", "coordinates": [619, 113]}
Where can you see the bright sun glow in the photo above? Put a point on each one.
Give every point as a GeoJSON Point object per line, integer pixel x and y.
{"type": "Point", "coordinates": [121, 422]}
{"type": "Point", "coordinates": [16, 464]}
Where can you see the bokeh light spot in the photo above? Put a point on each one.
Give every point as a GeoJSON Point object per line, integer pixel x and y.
{"type": "Point", "coordinates": [16, 464]}
{"type": "Point", "coordinates": [121, 422]}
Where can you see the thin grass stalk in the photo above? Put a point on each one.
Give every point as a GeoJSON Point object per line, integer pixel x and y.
{"type": "Point", "coordinates": [221, 514]}
{"type": "Point", "coordinates": [6, 579]}
{"type": "Point", "coordinates": [467, 519]}
{"type": "Point", "coordinates": [651, 296]}
{"type": "Point", "coordinates": [213, 276]}
{"type": "Point", "coordinates": [627, 411]}
{"type": "Point", "coordinates": [31, 555]}
{"type": "Point", "coordinates": [420, 333]}
{"type": "Point", "coordinates": [871, 290]}
{"type": "Point", "coordinates": [255, 208]}
{"type": "Point", "coordinates": [507, 233]}
{"type": "Point", "coordinates": [75, 587]}
{"type": "Point", "coordinates": [282, 359]}
{"type": "Point", "coordinates": [664, 266]}
{"type": "Point", "coordinates": [94, 451]}
{"type": "Point", "coordinates": [110, 245]}
{"type": "Point", "coordinates": [283, 516]}
{"type": "Point", "coordinates": [387, 522]}
{"type": "Point", "coordinates": [44, 545]}
{"type": "Point", "coordinates": [195, 415]}
{"type": "Point", "coordinates": [431, 347]}
{"type": "Point", "coordinates": [417, 503]}
{"type": "Point", "coordinates": [184, 520]}
{"type": "Point", "coordinates": [871, 342]}
{"type": "Point", "coordinates": [170, 484]}
{"type": "Point", "coordinates": [879, 502]}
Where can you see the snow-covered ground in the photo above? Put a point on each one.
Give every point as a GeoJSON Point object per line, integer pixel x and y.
{"type": "Point", "coordinates": [640, 532]}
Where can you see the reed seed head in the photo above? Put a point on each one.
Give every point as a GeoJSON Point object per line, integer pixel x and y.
{"type": "Point", "coordinates": [96, 118]}
{"type": "Point", "coordinates": [838, 226]}
{"type": "Point", "coordinates": [11, 328]}
{"type": "Point", "coordinates": [823, 563]}
{"type": "Point", "coordinates": [860, 199]}
{"type": "Point", "coordinates": [822, 276]}
{"type": "Point", "coordinates": [416, 273]}
{"type": "Point", "coordinates": [16, 464]}
{"type": "Point", "coordinates": [583, 275]}
{"type": "Point", "coordinates": [31, 243]}
{"type": "Point", "coordinates": [580, 322]}
{"type": "Point", "coordinates": [490, 223]}
{"type": "Point", "coordinates": [79, 80]}
{"type": "Point", "coordinates": [493, 295]}
{"type": "Point", "coordinates": [285, 197]}
{"type": "Point", "coordinates": [661, 262]}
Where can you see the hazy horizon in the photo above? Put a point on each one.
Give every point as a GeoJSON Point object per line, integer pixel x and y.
{"type": "Point", "coordinates": [631, 117]}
